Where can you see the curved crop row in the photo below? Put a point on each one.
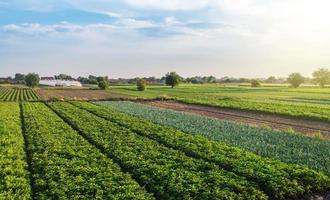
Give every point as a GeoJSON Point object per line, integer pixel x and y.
{"type": "Point", "coordinates": [65, 166]}
{"type": "Point", "coordinates": [289, 148]}
{"type": "Point", "coordinates": [277, 179]}
{"type": "Point", "coordinates": [14, 176]}
{"type": "Point", "coordinates": [18, 94]}
{"type": "Point", "coordinates": [166, 172]}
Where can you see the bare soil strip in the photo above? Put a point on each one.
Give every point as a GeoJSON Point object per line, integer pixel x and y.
{"type": "Point", "coordinates": [305, 126]}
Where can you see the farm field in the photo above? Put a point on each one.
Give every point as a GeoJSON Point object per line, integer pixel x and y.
{"type": "Point", "coordinates": [76, 94]}
{"type": "Point", "coordinates": [80, 150]}
{"type": "Point", "coordinates": [284, 146]}
{"type": "Point", "coordinates": [307, 102]}
{"type": "Point", "coordinates": [17, 94]}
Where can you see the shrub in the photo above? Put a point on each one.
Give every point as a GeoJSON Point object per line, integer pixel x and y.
{"type": "Point", "coordinates": [296, 79]}
{"type": "Point", "coordinates": [103, 85]}
{"type": "Point", "coordinates": [141, 84]}
{"type": "Point", "coordinates": [255, 83]}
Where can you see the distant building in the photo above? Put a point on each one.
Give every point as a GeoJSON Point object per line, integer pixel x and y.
{"type": "Point", "coordinates": [60, 83]}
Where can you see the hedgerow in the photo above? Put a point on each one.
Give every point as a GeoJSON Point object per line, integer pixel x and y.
{"type": "Point", "coordinates": [14, 176]}
{"type": "Point", "coordinates": [65, 166]}
{"type": "Point", "coordinates": [287, 147]}
{"type": "Point", "coordinates": [168, 173]}
{"type": "Point", "coordinates": [277, 179]}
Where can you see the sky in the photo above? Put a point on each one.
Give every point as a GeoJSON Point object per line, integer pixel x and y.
{"type": "Point", "coordinates": [137, 38]}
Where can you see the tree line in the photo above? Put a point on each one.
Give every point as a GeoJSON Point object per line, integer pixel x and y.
{"type": "Point", "coordinates": [321, 77]}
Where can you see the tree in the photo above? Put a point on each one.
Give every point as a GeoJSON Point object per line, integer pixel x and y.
{"type": "Point", "coordinates": [255, 83]}
{"type": "Point", "coordinates": [322, 76]}
{"type": "Point", "coordinates": [64, 77]}
{"type": "Point", "coordinates": [32, 79]}
{"type": "Point", "coordinates": [19, 78]}
{"type": "Point", "coordinates": [271, 79]}
{"type": "Point", "coordinates": [172, 79]}
{"type": "Point", "coordinates": [103, 84]}
{"type": "Point", "coordinates": [141, 84]}
{"type": "Point", "coordinates": [295, 79]}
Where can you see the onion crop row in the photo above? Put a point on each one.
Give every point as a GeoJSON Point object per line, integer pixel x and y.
{"type": "Point", "coordinates": [277, 179]}
{"type": "Point", "coordinates": [168, 173]}
{"type": "Point", "coordinates": [65, 166]}
{"type": "Point", "coordinates": [287, 147]}
{"type": "Point", "coordinates": [14, 176]}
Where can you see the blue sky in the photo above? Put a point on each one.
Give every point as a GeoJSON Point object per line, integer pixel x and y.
{"type": "Point", "coordinates": [129, 38]}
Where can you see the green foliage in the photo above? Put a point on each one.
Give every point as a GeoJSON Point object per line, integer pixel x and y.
{"type": "Point", "coordinates": [295, 79]}
{"type": "Point", "coordinates": [103, 84]}
{"type": "Point", "coordinates": [322, 76]}
{"type": "Point", "coordinates": [32, 80]}
{"type": "Point", "coordinates": [14, 177]}
{"type": "Point", "coordinates": [287, 147]}
{"type": "Point", "coordinates": [255, 83]}
{"type": "Point", "coordinates": [141, 84]}
{"type": "Point", "coordinates": [306, 102]}
{"type": "Point", "coordinates": [65, 166]}
{"type": "Point", "coordinates": [172, 79]}
{"type": "Point", "coordinates": [20, 78]}
{"type": "Point", "coordinates": [277, 179]}
{"type": "Point", "coordinates": [168, 173]}
{"type": "Point", "coordinates": [18, 94]}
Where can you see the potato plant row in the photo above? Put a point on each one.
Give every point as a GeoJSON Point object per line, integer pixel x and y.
{"type": "Point", "coordinates": [65, 166]}
{"type": "Point", "coordinates": [14, 176]}
{"type": "Point", "coordinates": [287, 147]}
{"type": "Point", "coordinates": [18, 94]}
{"type": "Point", "coordinates": [168, 173]}
{"type": "Point", "coordinates": [279, 180]}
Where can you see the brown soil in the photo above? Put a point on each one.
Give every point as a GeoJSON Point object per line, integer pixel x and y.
{"type": "Point", "coordinates": [74, 94]}
{"type": "Point", "coordinates": [305, 126]}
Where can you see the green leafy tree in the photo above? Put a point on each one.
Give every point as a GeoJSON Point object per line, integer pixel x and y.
{"type": "Point", "coordinates": [32, 79]}
{"type": "Point", "coordinates": [321, 76]}
{"type": "Point", "coordinates": [141, 84]}
{"type": "Point", "coordinates": [172, 79]}
{"type": "Point", "coordinates": [103, 84]}
{"type": "Point", "coordinates": [295, 79]}
{"type": "Point", "coordinates": [19, 78]}
{"type": "Point", "coordinates": [255, 83]}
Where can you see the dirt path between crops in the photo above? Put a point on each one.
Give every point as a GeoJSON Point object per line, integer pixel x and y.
{"type": "Point", "coordinates": [308, 127]}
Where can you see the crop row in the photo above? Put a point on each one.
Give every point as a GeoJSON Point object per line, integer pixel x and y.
{"type": "Point", "coordinates": [277, 179]}
{"type": "Point", "coordinates": [295, 109]}
{"type": "Point", "coordinates": [14, 176]}
{"type": "Point", "coordinates": [18, 94]}
{"type": "Point", "coordinates": [65, 166]}
{"type": "Point", "coordinates": [164, 171]}
{"type": "Point", "coordinates": [290, 148]}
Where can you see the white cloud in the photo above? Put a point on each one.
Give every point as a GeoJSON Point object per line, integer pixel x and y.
{"type": "Point", "coordinates": [169, 4]}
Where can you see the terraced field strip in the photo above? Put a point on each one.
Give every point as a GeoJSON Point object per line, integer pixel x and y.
{"type": "Point", "coordinates": [290, 180]}
{"type": "Point", "coordinates": [14, 176]}
{"type": "Point", "coordinates": [18, 94]}
{"type": "Point", "coordinates": [65, 166]}
{"type": "Point", "coordinates": [277, 145]}
{"type": "Point", "coordinates": [168, 173]}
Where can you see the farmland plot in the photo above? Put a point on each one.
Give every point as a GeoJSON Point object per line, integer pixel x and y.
{"type": "Point", "coordinates": [65, 166]}
{"type": "Point", "coordinates": [283, 146]}
{"type": "Point", "coordinates": [18, 94]}
{"type": "Point", "coordinates": [14, 176]}
{"type": "Point", "coordinates": [149, 144]}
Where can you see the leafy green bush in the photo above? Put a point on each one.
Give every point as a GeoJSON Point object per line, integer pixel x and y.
{"type": "Point", "coordinates": [141, 84]}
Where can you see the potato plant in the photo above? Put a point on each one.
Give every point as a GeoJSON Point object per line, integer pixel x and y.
{"type": "Point", "coordinates": [14, 176]}
{"type": "Point", "coordinates": [65, 166]}
{"type": "Point", "coordinates": [168, 173]}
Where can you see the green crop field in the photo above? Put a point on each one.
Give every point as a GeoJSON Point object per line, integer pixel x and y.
{"type": "Point", "coordinates": [17, 94]}
{"type": "Point", "coordinates": [307, 102]}
{"type": "Point", "coordinates": [83, 150]}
